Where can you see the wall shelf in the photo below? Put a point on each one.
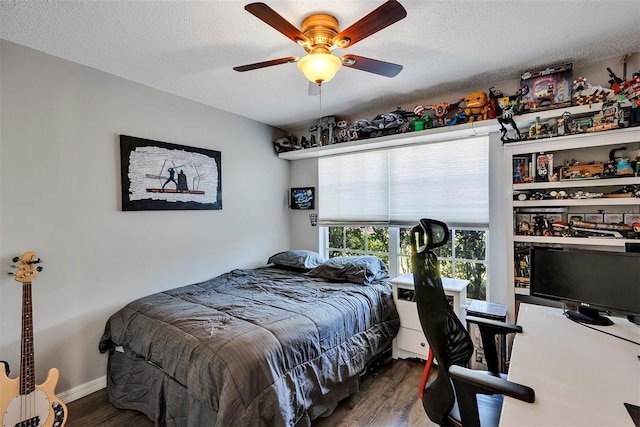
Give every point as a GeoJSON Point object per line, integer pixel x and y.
{"type": "Point", "coordinates": [581, 241]}
{"type": "Point", "coordinates": [627, 201]}
{"type": "Point", "coordinates": [577, 183]}
{"type": "Point", "coordinates": [441, 134]}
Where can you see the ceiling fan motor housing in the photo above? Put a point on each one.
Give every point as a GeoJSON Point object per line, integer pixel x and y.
{"type": "Point", "coordinates": [320, 29]}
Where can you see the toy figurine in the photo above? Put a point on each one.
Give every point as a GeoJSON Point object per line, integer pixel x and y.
{"type": "Point", "coordinates": [421, 120]}
{"type": "Point", "coordinates": [458, 118]}
{"type": "Point", "coordinates": [343, 134]}
{"type": "Point", "coordinates": [286, 143]}
{"type": "Point", "coordinates": [492, 108]}
{"type": "Point", "coordinates": [518, 173]}
{"type": "Point", "coordinates": [440, 111]}
{"type": "Point", "coordinates": [505, 115]}
{"type": "Point", "coordinates": [397, 121]}
{"type": "Point", "coordinates": [324, 130]}
{"type": "Point", "coordinates": [584, 93]}
{"type": "Point", "coordinates": [628, 91]}
{"type": "Point", "coordinates": [476, 106]}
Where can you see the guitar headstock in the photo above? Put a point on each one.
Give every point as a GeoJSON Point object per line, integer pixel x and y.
{"type": "Point", "coordinates": [27, 269]}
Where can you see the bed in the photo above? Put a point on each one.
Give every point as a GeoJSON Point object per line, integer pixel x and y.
{"type": "Point", "coordinates": [278, 345]}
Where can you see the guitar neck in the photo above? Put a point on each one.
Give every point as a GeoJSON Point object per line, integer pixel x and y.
{"type": "Point", "coordinates": [27, 380]}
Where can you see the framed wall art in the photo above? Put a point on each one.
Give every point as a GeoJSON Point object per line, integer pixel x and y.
{"type": "Point", "coordinates": [162, 176]}
{"type": "Point", "coordinates": [303, 198]}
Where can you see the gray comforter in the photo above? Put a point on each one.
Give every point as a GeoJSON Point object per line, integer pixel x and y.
{"type": "Point", "coordinates": [262, 347]}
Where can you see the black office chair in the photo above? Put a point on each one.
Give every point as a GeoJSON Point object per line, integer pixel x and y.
{"type": "Point", "coordinates": [457, 395]}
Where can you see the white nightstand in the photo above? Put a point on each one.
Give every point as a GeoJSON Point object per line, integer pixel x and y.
{"type": "Point", "coordinates": [410, 341]}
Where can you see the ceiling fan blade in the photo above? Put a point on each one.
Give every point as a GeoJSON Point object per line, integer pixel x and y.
{"type": "Point", "coordinates": [380, 18]}
{"type": "Point", "coordinates": [264, 64]}
{"type": "Point", "coordinates": [272, 18]}
{"type": "Point", "coordinates": [369, 65]}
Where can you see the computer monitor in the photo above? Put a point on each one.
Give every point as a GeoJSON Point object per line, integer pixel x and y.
{"type": "Point", "coordinates": [594, 280]}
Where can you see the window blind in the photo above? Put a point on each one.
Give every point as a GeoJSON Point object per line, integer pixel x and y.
{"type": "Point", "coordinates": [354, 188]}
{"type": "Point", "coordinates": [448, 181]}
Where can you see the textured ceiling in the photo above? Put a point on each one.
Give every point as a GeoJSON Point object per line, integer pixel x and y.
{"type": "Point", "coordinates": [188, 48]}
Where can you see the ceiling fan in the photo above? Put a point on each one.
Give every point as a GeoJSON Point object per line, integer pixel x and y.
{"type": "Point", "coordinates": [320, 34]}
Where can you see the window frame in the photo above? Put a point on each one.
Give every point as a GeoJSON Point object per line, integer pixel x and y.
{"type": "Point", "coordinates": [394, 255]}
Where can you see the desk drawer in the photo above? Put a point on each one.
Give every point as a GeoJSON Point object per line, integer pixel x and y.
{"type": "Point", "coordinates": [413, 341]}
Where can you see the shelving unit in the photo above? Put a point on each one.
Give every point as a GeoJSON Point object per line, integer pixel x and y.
{"type": "Point", "coordinates": [585, 148]}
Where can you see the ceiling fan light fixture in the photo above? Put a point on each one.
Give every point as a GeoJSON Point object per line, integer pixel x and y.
{"type": "Point", "coordinates": [319, 67]}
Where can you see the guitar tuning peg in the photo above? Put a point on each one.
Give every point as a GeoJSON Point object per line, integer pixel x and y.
{"type": "Point", "coordinates": [16, 259]}
{"type": "Point", "coordinates": [10, 273]}
{"type": "Point", "coordinates": [39, 268]}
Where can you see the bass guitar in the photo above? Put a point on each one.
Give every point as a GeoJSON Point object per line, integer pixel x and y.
{"type": "Point", "coordinates": [22, 402]}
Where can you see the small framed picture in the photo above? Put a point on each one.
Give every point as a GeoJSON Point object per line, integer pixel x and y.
{"type": "Point", "coordinates": [303, 198]}
{"type": "Point", "coordinates": [576, 216]}
{"type": "Point", "coordinates": [631, 218]}
{"type": "Point", "coordinates": [594, 217]}
{"type": "Point", "coordinates": [553, 217]}
{"type": "Point", "coordinates": [613, 218]}
{"type": "Point", "coordinates": [521, 171]}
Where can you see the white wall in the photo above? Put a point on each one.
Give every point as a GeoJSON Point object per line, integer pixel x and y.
{"type": "Point", "coordinates": [60, 197]}
{"type": "Point", "coordinates": [304, 173]}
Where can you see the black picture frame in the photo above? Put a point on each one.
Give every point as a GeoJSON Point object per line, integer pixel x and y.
{"type": "Point", "coordinates": [303, 198]}
{"type": "Point", "coordinates": [164, 176]}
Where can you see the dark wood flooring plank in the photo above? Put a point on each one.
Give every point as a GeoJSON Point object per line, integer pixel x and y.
{"type": "Point", "coordinates": [388, 397]}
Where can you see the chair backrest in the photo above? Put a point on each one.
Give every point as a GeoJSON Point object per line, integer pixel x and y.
{"type": "Point", "coordinates": [448, 338]}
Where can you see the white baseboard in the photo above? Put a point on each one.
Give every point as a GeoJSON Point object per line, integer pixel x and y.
{"type": "Point", "coordinates": [83, 390]}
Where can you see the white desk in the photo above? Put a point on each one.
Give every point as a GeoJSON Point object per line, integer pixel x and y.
{"type": "Point", "coordinates": [581, 377]}
{"type": "Point", "coordinates": [411, 341]}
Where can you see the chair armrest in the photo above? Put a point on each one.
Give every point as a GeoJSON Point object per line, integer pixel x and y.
{"type": "Point", "coordinates": [488, 331]}
{"type": "Point", "coordinates": [494, 326]}
{"type": "Point", "coordinates": [484, 383]}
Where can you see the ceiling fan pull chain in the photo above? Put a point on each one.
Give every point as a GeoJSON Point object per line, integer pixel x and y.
{"type": "Point", "coordinates": [320, 119]}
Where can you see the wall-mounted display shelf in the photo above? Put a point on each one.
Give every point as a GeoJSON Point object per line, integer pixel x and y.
{"type": "Point", "coordinates": [598, 201]}
{"type": "Point", "coordinates": [440, 134]}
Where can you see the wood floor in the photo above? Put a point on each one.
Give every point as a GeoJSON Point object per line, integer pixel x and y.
{"type": "Point", "coordinates": [388, 397]}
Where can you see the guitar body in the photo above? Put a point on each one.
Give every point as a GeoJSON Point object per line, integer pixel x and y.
{"type": "Point", "coordinates": [40, 408]}
{"type": "Point", "coordinates": [22, 402]}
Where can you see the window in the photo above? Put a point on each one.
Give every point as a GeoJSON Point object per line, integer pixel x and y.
{"type": "Point", "coordinates": [358, 240]}
{"type": "Point", "coordinates": [369, 198]}
{"type": "Point", "coordinates": [463, 257]}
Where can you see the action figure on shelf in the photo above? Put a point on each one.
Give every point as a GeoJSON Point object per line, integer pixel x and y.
{"type": "Point", "coordinates": [505, 114]}
{"type": "Point", "coordinates": [476, 106]}
{"type": "Point", "coordinates": [628, 91]}
{"type": "Point", "coordinates": [440, 111]}
{"type": "Point", "coordinates": [397, 121]}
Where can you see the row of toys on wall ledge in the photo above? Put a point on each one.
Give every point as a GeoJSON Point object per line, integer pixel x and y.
{"type": "Point", "coordinates": [612, 225]}
{"type": "Point", "coordinates": [539, 167]}
{"type": "Point", "coordinates": [547, 89]}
